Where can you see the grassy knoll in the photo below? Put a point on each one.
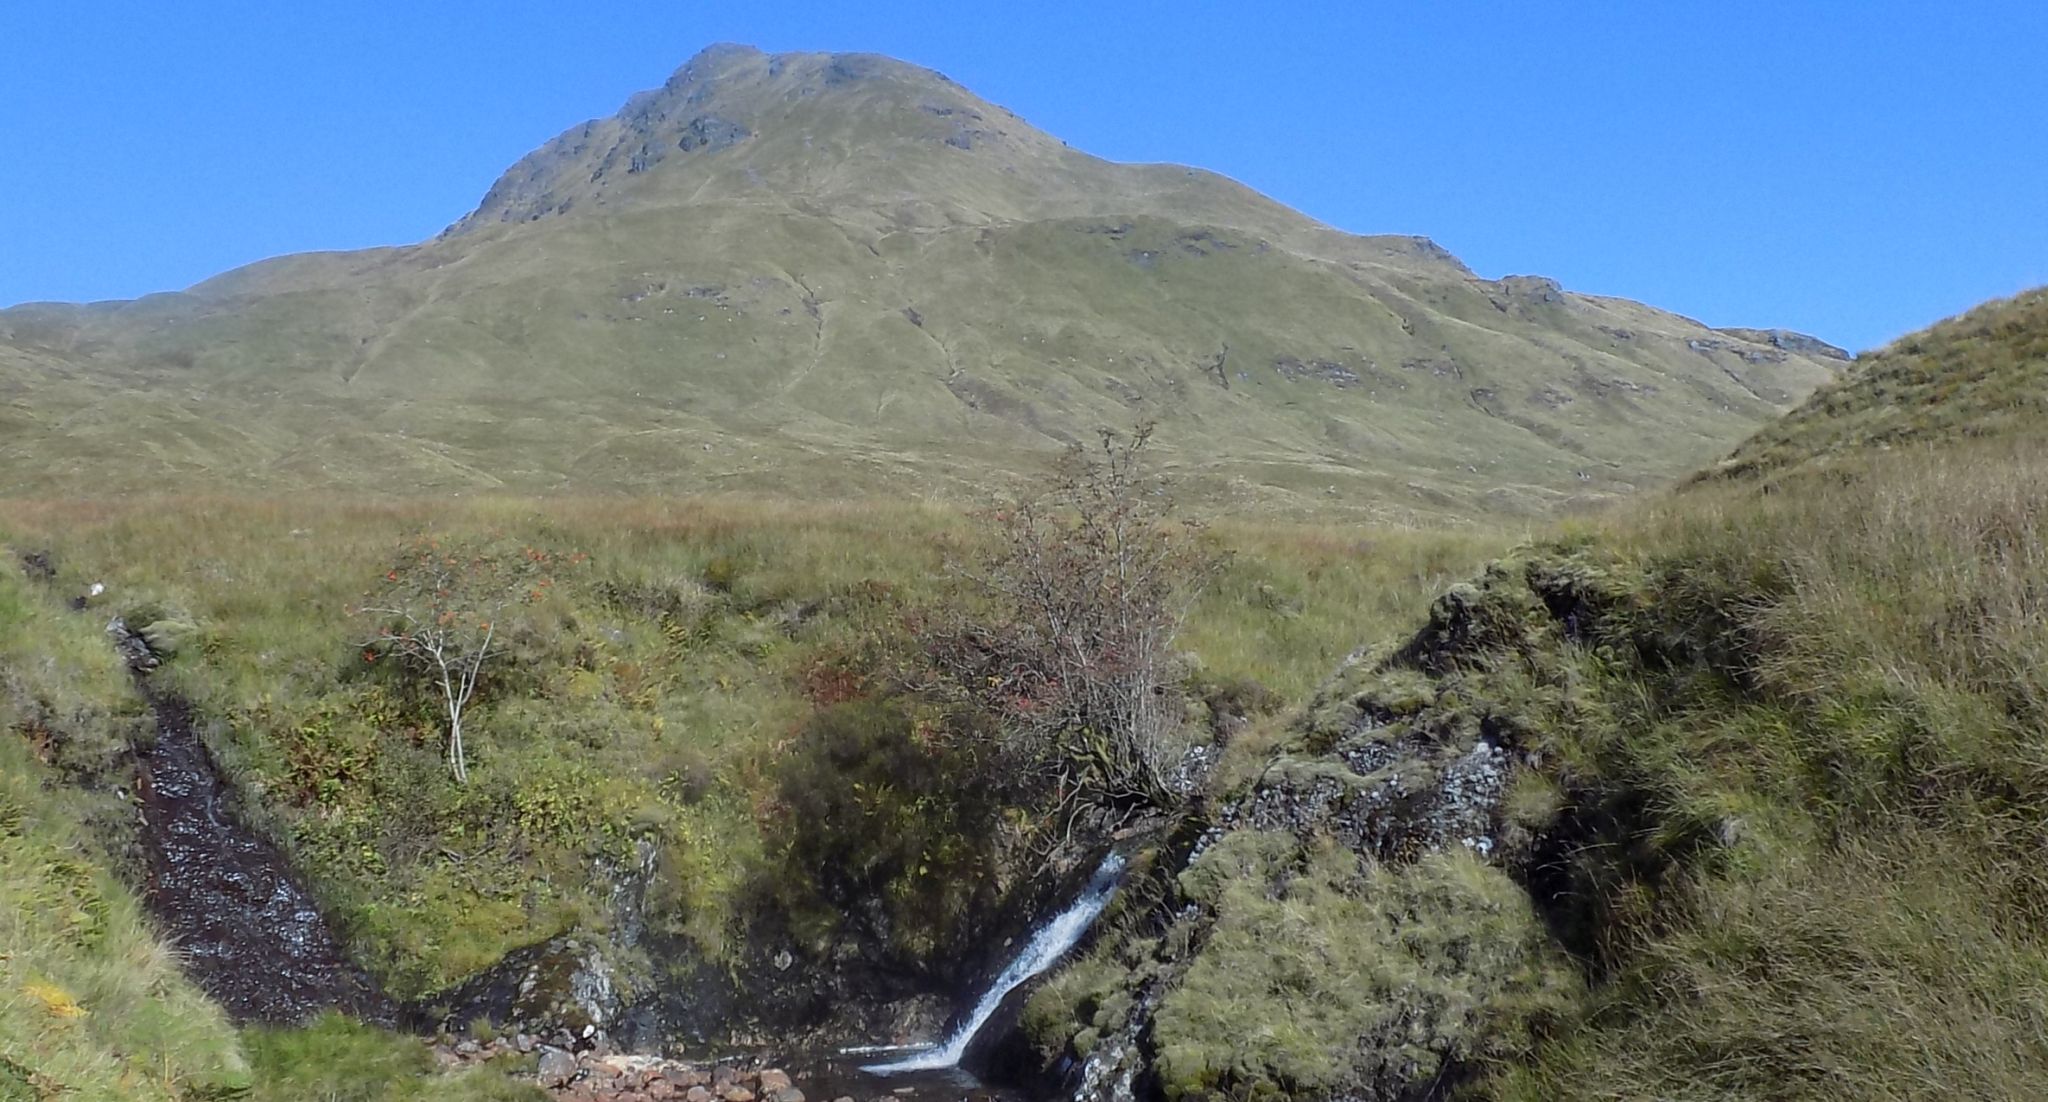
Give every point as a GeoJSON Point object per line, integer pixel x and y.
{"type": "Point", "coordinates": [660, 692]}
{"type": "Point", "coordinates": [1982, 374]}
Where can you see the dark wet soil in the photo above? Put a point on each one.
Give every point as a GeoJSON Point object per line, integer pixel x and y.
{"type": "Point", "coordinates": [245, 928]}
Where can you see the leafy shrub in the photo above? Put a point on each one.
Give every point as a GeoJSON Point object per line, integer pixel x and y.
{"type": "Point", "coordinates": [1075, 663]}
{"type": "Point", "coordinates": [443, 611]}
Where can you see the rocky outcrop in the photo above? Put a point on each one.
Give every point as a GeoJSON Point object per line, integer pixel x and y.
{"type": "Point", "coordinates": [1799, 344]}
{"type": "Point", "coordinates": [1377, 899]}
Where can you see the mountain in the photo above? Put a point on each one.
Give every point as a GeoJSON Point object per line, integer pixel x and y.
{"type": "Point", "coordinates": [1981, 375]}
{"type": "Point", "coordinates": [831, 274]}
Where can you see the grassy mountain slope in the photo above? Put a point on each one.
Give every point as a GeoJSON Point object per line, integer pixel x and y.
{"type": "Point", "coordinates": [1984, 374]}
{"type": "Point", "coordinates": [831, 275]}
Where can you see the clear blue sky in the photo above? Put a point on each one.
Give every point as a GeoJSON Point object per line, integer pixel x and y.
{"type": "Point", "coordinates": [1855, 170]}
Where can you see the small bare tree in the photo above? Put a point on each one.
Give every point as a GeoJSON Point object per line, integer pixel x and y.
{"type": "Point", "coordinates": [1091, 580]}
{"type": "Point", "coordinates": [441, 612]}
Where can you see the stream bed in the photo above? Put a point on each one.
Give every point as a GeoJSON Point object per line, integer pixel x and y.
{"type": "Point", "coordinates": [245, 928]}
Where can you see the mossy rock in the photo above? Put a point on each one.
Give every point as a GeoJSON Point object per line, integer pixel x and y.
{"type": "Point", "coordinates": [168, 636]}
{"type": "Point", "coordinates": [1345, 979]}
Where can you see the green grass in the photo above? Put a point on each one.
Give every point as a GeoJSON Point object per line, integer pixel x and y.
{"type": "Point", "coordinates": [1981, 375]}
{"type": "Point", "coordinates": [1321, 980]}
{"type": "Point", "coordinates": [663, 693]}
{"type": "Point", "coordinates": [91, 1004]}
{"type": "Point", "coordinates": [66, 690]}
{"type": "Point", "coordinates": [336, 1060]}
{"type": "Point", "coordinates": [1824, 706]}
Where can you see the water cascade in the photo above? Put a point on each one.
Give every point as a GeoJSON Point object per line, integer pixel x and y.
{"type": "Point", "coordinates": [1045, 948]}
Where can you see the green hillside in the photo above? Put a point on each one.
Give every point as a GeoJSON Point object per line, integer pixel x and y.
{"type": "Point", "coordinates": [1981, 375]}
{"type": "Point", "coordinates": [834, 275]}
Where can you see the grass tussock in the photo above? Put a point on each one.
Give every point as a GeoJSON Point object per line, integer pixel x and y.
{"type": "Point", "coordinates": [1336, 978]}
{"type": "Point", "coordinates": [1804, 749]}
{"type": "Point", "coordinates": [66, 690]}
{"type": "Point", "coordinates": [333, 1059]}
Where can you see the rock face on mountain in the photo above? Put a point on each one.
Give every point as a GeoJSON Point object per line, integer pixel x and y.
{"type": "Point", "coordinates": [833, 275]}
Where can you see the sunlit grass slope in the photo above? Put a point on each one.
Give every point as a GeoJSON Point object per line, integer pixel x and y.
{"type": "Point", "coordinates": [1816, 739]}
{"type": "Point", "coordinates": [1983, 374]}
{"type": "Point", "coordinates": [1810, 754]}
{"type": "Point", "coordinates": [835, 276]}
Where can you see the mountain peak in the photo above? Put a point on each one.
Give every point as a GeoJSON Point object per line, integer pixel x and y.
{"type": "Point", "coordinates": [866, 140]}
{"type": "Point", "coordinates": [843, 120]}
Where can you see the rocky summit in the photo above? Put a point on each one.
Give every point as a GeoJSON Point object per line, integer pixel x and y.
{"type": "Point", "coordinates": [831, 275]}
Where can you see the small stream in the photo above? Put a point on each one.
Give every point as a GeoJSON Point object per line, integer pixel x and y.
{"type": "Point", "coordinates": [245, 929]}
{"type": "Point", "coordinates": [250, 936]}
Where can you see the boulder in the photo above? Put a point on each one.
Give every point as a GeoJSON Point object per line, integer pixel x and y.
{"type": "Point", "coordinates": [557, 1067]}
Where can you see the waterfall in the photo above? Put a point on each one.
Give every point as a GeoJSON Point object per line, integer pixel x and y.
{"type": "Point", "coordinates": [1045, 948]}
